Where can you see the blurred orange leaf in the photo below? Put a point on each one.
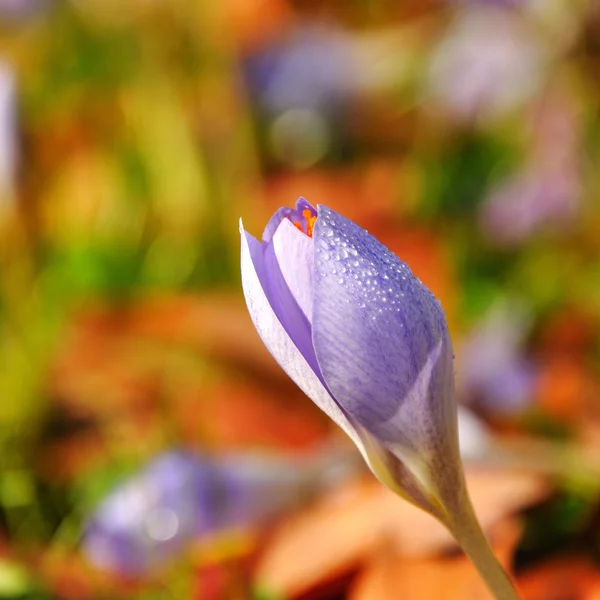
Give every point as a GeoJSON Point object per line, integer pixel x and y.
{"type": "Point", "coordinates": [564, 578]}
{"type": "Point", "coordinates": [451, 578]}
{"type": "Point", "coordinates": [565, 386]}
{"type": "Point", "coordinates": [252, 22]}
{"type": "Point", "coordinates": [241, 415]}
{"type": "Point", "coordinates": [356, 193]}
{"type": "Point", "coordinates": [217, 324]}
{"type": "Point", "coordinates": [344, 531]}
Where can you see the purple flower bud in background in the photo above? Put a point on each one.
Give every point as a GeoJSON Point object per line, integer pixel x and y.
{"type": "Point", "coordinates": [488, 64]}
{"type": "Point", "coordinates": [303, 83]}
{"type": "Point", "coordinates": [149, 517]}
{"type": "Point", "coordinates": [311, 67]}
{"type": "Point", "coordinates": [494, 373]}
{"type": "Point", "coordinates": [8, 131]}
{"type": "Point", "coordinates": [20, 10]}
{"type": "Point", "coordinates": [529, 202]}
{"type": "Point", "coordinates": [181, 496]}
{"type": "Point", "coordinates": [365, 340]}
{"type": "Point", "coordinates": [546, 193]}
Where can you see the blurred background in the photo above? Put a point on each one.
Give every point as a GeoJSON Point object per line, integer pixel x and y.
{"type": "Point", "coordinates": [150, 447]}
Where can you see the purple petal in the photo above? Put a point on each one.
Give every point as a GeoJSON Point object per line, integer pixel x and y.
{"type": "Point", "coordinates": [280, 214]}
{"type": "Point", "coordinates": [294, 252]}
{"type": "Point", "coordinates": [303, 204]}
{"type": "Point", "coordinates": [293, 214]}
{"type": "Point", "coordinates": [277, 339]}
{"type": "Point", "coordinates": [381, 339]}
{"type": "Point", "coordinates": [280, 297]}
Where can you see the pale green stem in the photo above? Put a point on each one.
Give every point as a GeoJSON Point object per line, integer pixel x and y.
{"type": "Point", "coordinates": [467, 532]}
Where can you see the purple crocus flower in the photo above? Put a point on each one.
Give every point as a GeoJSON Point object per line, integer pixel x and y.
{"type": "Point", "coordinates": [363, 338]}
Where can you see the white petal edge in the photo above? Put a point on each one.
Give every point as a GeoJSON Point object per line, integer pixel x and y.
{"type": "Point", "coordinates": [294, 252]}
{"type": "Point", "coordinates": [280, 344]}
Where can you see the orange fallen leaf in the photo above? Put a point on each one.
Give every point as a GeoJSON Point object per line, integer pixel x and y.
{"type": "Point", "coordinates": [216, 324]}
{"type": "Point", "coordinates": [564, 578]}
{"type": "Point", "coordinates": [564, 387]}
{"type": "Point", "coordinates": [451, 578]}
{"type": "Point", "coordinates": [345, 529]}
{"type": "Point", "coordinates": [242, 415]}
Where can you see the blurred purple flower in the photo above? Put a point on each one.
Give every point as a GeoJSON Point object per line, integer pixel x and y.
{"type": "Point", "coordinates": [488, 64]}
{"type": "Point", "coordinates": [311, 68]}
{"type": "Point", "coordinates": [502, 3]}
{"type": "Point", "coordinates": [532, 200]}
{"type": "Point", "coordinates": [494, 373]}
{"type": "Point", "coordinates": [8, 131]}
{"type": "Point", "coordinates": [153, 514]}
{"type": "Point", "coordinates": [19, 10]}
{"type": "Point", "coordinates": [364, 339]}
{"type": "Point", "coordinates": [303, 83]}
{"type": "Point", "coordinates": [547, 191]}
{"type": "Point", "coordinates": [181, 496]}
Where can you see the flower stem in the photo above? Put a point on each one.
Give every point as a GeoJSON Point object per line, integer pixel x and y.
{"type": "Point", "coordinates": [467, 532]}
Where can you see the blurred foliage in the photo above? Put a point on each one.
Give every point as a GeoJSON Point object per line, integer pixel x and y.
{"type": "Point", "coordinates": [144, 130]}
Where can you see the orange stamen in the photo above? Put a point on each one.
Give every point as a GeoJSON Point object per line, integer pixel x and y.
{"type": "Point", "coordinates": [310, 222]}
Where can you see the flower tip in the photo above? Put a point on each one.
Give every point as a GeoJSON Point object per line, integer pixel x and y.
{"type": "Point", "coordinates": [241, 225]}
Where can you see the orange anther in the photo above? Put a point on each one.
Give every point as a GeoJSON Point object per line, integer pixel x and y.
{"type": "Point", "coordinates": [310, 221]}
